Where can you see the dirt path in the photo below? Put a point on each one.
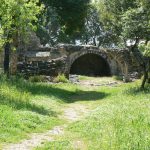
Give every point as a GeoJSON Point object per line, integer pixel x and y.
{"type": "Point", "coordinates": [36, 139]}
{"type": "Point", "coordinates": [75, 112]}
{"type": "Point", "coordinates": [72, 113]}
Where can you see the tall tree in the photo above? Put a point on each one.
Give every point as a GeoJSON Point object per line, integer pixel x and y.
{"type": "Point", "coordinates": [62, 19]}
{"type": "Point", "coordinates": [129, 22]}
{"type": "Point", "coordinates": [51, 32]}
{"type": "Point", "coordinates": [71, 13]}
{"type": "Point", "coordinates": [17, 17]}
{"type": "Point", "coordinates": [93, 32]}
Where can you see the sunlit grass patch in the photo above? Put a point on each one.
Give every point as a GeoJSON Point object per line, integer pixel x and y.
{"type": "Point", "coordinates": [122, 122]}
{"type": "Point", "coordinates": [119, 118]}
{"type": "Point", "coordinates": [57, 145]}
{"type": "Point", "coordinates": [20, 114]}
{"type": "Point", "coordinates": [118, 121]}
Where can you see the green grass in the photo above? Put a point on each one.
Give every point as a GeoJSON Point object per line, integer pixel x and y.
{"type": "Point", "coordinates": [57, 145]}
{"type": "Point", "coordinates": [25, 108]}
{"type": "Point", "coordinates": [61, 78]}
{"type": "Point", "coordinates": [120, 121]}
{"type": "Point", "coordinates": [119, 118]}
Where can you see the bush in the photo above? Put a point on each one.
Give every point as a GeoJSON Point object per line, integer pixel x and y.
{"type": "Point", "coordinates": [119, 78]}
{"type": "Point", "coordinates": [61, 78]}
{"type": "Point", "coordinates": [37, 78]}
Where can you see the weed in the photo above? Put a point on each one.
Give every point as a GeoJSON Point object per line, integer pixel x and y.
{"type": "Point", "coordinates": [61, 78]}
{"type": "Point", "coordinates": [119, 78]}
{"type": "Point", "coordinates": [37, 78]}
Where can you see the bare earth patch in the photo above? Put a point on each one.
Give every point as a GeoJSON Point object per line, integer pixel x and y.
{"type": "Point", "coordinates": [80, 145]}
{"type": "Point", "coordinates": [75, 112]}
{"type": "Point", "coordinates": [36, 139]}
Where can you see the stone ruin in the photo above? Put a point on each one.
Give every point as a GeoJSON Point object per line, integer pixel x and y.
{"type": "Point", "coordinates": [72, 59]}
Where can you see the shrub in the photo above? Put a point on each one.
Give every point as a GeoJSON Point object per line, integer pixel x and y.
{"type": "Point", "coordinates": [60, 78]}
{"type": "Point", "coordinates": [37, 78]}
{"type": "Point", "coordinates": [119, 78]}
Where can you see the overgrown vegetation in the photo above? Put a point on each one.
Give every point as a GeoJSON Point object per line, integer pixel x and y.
{"type": "Point", "coordinates": [21, 111]}
{"type": "Point", "coordinates": [120, 121]}
{"type": "Point", "coordinates": [37, 78]}
{"type": "Point", "coordinates": [119, 78]}
{"type": "Point", "coordinates": [61, 78]}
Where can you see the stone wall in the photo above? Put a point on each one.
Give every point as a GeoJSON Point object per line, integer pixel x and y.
{"type": "Point", "coordinates": [59, 59]}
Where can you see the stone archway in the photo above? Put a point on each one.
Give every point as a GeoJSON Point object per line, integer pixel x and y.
{"type": "Point", "coordinates": [65, 58]}
{"type": "Point", "coordinates": [90, 64]}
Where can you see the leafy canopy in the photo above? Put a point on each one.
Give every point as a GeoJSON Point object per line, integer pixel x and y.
{"type": "Point", "coordinates": [17, 17]}
{"type": "Point", "coordinates": [71, 13]}
{"type": "Point", "coordinates": [127, 20]}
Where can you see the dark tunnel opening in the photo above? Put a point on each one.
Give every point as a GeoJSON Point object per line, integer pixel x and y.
{"type": "Point", "coordinates": [90, 65]}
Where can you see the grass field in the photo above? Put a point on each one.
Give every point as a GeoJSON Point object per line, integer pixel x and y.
{"type": "Point", "coordinates": [118, 117]}
{"type": "Point", "coordinates": [26, 107]}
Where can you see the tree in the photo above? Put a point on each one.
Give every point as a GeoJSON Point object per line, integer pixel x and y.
{"type": "Point", "coordinates": [129, 22]}
{"type": "Point", "coordinates": [62, 20]}
{"type": "Point", "coordinates": [145, 48]}
{"type": "Point", "coordinates": [93, 32]}
{"type": "Point", "coordinates": [71, 13]}
{"type": "Point", "coordinates": [51, 32]}
{"type": "Point", "coordinates": [17, 18]}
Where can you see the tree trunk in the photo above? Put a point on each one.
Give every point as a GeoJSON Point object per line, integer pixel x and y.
{"type": "Point", "coordinates": [139, 57]}
{"type": "Point", "coordinates": [94, 41]}
{"type": "Point", "coordinates": [145, 76]}
{"type": "Point", "coordinates": [148, 80]}
{"type": "Point", "coordinates": [6, 58]}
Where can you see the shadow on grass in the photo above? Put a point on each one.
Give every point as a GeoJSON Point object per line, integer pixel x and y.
{"type": "Point", "coordinates": [138, 90]}
{"type": "Point", "coordinates": [18, 98]}
{"type": "Point", "coordinates": [35, 89]}
{"type": "Point", "coordinates": [87, 96]}
{"type": "Point", "coordinates": [18, 104]}
{"type": "Point", "coordinates": [63, 94]}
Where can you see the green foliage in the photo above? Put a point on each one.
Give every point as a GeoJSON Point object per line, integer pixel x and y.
{"type": "Point", "coordinates": [120, 78]}
{"type": "Point", "coordinates": [145, 48]}
{"type": "Point", "coordinates": [37, 78]}
{"type": "Point", "coordinates": [61, 78]}
{"type": "Point", "coordinates": [19, 115]}
{"type": "Point", "coordinates": [71, 13]}
{"type": "Point", "coordinates": [63, 21]}
{"type": "Point", "coordinates": [57, 145]}
{"type": "Point", "coordinates": [126, 20]}
{"type": "Point", "coordinates": [50, 29]}
{"type": "Point", "coordinates": [17, 18]}
{"type": "Point", "coordinates": [119, 120]}
{"type": "Point", "coordinates": [135, 24]}
{"type": "Point", "coordinates": [129, 24]}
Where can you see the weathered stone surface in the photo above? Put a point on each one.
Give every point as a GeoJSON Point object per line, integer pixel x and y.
{"type": "Point", "coordinates": [60, 59]}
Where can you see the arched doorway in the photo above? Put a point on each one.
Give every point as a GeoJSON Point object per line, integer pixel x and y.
{"type": "Point", "coordinates": [90, 65]}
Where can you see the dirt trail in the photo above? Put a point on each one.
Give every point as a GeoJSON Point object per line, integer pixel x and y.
{"type": "Point", "coordinates": [36, 139]}
{"type": "Point", "coordinates": [75, 112]}
{"type": "Point", "coordinates": [72, 113]}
